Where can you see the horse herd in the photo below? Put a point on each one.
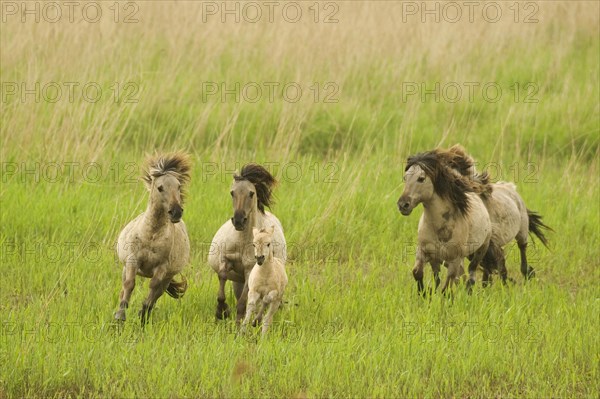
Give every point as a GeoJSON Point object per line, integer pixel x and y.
{"type": "Point", "coordinates": [465, 216]}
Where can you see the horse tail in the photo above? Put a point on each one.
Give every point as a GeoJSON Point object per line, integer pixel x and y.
{"type": "Point", "coordinates": [536, 226]}
{"type": "Point", "coordinates": [177, 289]}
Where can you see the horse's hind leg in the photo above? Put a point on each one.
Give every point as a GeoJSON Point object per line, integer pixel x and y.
{"type": "Point", "coordinates": [526, 270]}
{"type": "Point", "coordinates": [475, 260]}
{"type": "Point", "coordinates": [494, 259]}
{"type": "Point", "coordinates": [502, 266]}
{"type": "Point", "coordinates": [128, 277]}
{"type": "Point", "coordinates": [158, 285]}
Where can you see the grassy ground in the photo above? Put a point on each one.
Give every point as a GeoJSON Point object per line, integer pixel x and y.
{"type": "Point", "coordinates": [353, 325]}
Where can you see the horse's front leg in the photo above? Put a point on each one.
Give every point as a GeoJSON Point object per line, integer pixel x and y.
{"type": "Point", "coordinates": [418, 271]}
{"type": "Point", "coordinates": [128, 277]}
{"type": "Point", "coordinates": [222, 311]}
{"type": "Point", "coordinates": [241, 303]}
{"type": "Point", "coordinates": [259, 315]}
{"type": "Point", "coordinates": [273, 301]}
{"type": "Point", "coordinates": [455, 271]}
{"type": "Point", "coordinates": [158, 285]}
{"type": "Point", "coordinates": [253, 298]}
{"type": "Point", "coordinates": [435, 267]}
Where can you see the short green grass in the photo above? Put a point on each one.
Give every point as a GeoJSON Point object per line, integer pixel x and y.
{"type": "Point", "coordinates": [353, 324]}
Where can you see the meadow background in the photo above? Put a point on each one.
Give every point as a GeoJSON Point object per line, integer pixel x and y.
{"type": "Point", "coordinates": [353, 325]}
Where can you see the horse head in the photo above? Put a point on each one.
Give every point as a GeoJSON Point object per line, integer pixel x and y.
{"type": "Point", "coordinates": [165, 178]}
{"type": "Point", "coordinates": [251, 191]}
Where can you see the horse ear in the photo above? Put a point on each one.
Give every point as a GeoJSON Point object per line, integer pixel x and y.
{"type": "Point", "coordinates": [255, 231]}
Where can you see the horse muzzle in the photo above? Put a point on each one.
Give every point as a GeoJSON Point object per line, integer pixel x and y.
{"type": "Point", "coordinates": [239, 221]}
{"type": "Point", "coordinates": [175, 214]}
{"type": "Point", "coordinates": [404, 206]}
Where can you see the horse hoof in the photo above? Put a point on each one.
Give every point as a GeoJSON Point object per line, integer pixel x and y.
{"type": "Point", "coordinates": [257, 322]}
{"type": "Point", "coordinates": [530, 273]}
{"type": "Point", "coordinates": [470, 284]}
{"type": "Point", "coordinates": [120, 315]}
{"type": "Point", "coordinates": [222, 312]}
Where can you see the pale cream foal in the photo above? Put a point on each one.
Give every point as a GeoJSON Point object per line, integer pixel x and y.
{"type": "Point", "coordinates": [267, 279]}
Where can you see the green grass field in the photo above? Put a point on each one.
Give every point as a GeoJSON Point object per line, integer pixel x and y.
{"type": "Point", "coordinates": [353, 324]}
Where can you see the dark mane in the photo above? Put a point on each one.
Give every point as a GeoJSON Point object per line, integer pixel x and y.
{"type": "Point", "coordinates": [447, 184]}
{"type": "Point", "coordinates": [176, 164]}
{"type": "Point", "coordinates": [457, 159]}
{"type": "Point", "coordinates": [262, 180]}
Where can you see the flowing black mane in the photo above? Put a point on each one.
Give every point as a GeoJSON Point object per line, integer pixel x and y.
{"type": "Point", "coordinates": [176, 164]}
{"type": "Point", "coordinates": [446, 183]}
{"type": "Point", "coordinates": [458, 160]}
{"type": "Point", "coordinates": [262, 180]}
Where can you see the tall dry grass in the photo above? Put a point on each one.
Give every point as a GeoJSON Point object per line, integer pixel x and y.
{"type": "Point", "coordinates": [368, 54]}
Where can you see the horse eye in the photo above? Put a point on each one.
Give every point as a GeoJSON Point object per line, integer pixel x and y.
{"type": "Point", "coordinates": [160, 189]}
{"type": "Point", "coordinates": [251, 194]}
{"type": "Point", "coordinates": [231, 192]}
{"type": "Point", "coordinates": [269, 244]}
{"type": "Point", "coordinates": [421, 179]}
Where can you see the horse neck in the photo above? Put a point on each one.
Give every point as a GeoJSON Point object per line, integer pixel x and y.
{"type": "Point", "coordinates": [255, 220]}
{"type": "Point", "coordinates": [438, 211]}
{"type": "Point", "coordinates": [155, 218]}
{"type": "Point", "coordinates": [268, 266]}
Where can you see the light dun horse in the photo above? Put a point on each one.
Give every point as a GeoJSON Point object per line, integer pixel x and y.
{"type": "Point", "coordinates": [455, 223]}
{"type": "Point", "coordinates": [267, 280]}
{"type": "Point", "coordinates": [155, 244]}
{"type": "Point", "coordinates": [231, 255]}
{"type": "Point", "coordinates": [509, 216]}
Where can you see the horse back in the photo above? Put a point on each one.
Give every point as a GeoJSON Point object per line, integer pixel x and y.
{"type": "Point", "coordinates": [507, 213]}
{"type": "Point", "coordinates": [479, 224]}
{"type": "Point", "coordinates": [280, 250]}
